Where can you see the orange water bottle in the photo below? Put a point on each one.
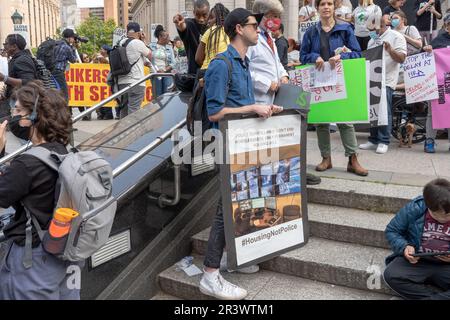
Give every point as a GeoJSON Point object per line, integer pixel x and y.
{"type": "Point", "coordinates": [55, 239]}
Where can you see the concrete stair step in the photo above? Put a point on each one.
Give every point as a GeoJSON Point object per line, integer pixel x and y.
{"type": "Point", "coordinates": [164, 296]}
{"type": "Point", "coordinates": [339, 263]}
{"type": "Point", "coordinates": [348, 225]}
{"type": "Point", "coordinates": [372, 196]}
{"type": "Point", "coordinates": [264, 285]}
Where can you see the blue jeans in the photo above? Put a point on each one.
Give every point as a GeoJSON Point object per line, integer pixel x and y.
{"type": "Point", "coordinates": [162, 85]}
{"type": "Point", "coordinates": [216, 241]}
{"type": "Point", "coordinates": [382, 134]}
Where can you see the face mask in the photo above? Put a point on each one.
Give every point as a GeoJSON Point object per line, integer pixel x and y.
{"type": "Point", "coordinates": [272, 24]}
{"type": "Point", "coordinates": [395, 23]}
{"type": "Point", "coordinates": [17, 130]}
{"type": "Point", "coordinates": [373, 35]}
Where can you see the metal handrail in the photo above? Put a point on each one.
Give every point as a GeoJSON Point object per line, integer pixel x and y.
{"type": "Point", "coordinates": [92, 109]}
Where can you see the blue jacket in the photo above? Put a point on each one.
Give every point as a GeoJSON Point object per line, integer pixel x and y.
{"type": "Point", "coordinates": [406, 228]}
{"type": "Point", "coordinates": [341, 35]}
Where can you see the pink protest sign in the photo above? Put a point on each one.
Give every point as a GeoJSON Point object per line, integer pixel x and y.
{"type": "Point", "coordinates": [441, 107]}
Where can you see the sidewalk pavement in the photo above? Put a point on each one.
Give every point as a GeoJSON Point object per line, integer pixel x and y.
{"type": "Point", "coordinates": [403, 166]}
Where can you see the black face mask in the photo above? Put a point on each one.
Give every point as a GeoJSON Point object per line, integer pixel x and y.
{"type": "Point", "coordinates": [17, 130]}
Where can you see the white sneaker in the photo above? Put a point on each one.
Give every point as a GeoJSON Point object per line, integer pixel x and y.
{"type": "Point", "coordinates": [213, 284]}
{"type": "Point", "coordinates": [368, 146]}
{"type": "Point", "coordinates": [224, 267]}
{"type": "Point", "coordinates": [382, 148]}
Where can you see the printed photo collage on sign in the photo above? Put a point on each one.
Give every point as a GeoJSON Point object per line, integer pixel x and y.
{"type": "Point", "coordinates": [256, 194]}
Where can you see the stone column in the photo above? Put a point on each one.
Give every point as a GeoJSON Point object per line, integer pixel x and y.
{"type": "Point", "coordinates": [291, 27]}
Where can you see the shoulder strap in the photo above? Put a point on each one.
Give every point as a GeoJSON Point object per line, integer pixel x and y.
{"type": "Point", "coordinates": [125, 44]}
{"type": "Point", "coordinates": [407, 31]}
{"type": "Point", "coordinates": [45, 156]}
{"type": "Point", "coordinates": [229, 66]}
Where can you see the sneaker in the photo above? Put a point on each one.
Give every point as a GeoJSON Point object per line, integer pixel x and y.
{"type": "Point", "coordinates": [312, 179]}
{"type": "Point", "coordinates": [213, 284]}
{"type": "Point", "coordinates": [368, 146]}
{"type": "Point", "coordinates": [382, 148]}
{"type": "Point", "coordinates": [429, 145]}
{"type": "Point", "coordinates": [248, 270]}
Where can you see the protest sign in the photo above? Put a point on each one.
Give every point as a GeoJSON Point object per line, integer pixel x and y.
{"type": "Point", "coordinates": [4, 65]}
{"type": "Point", "coordinates": [118, 35]}
{"type": "Point", "coordinates": [377, 87]}
{"type": "Point", "coordinates": [87, 86]}
{"type": "Point", "coordinates": [22, 29]}
{"type": "Point", "coordinates": [345, 103]}
{"type": "Point", "coordinates": [304, 26]}
{"type": "Point", "coordinates": [302, 77]}
{"type": "Point", "coordinates": [420, 78]}
{"type": "Point", "coordinates": [441, 106]}
{"type": "Point", "coordinates": [263, 186]}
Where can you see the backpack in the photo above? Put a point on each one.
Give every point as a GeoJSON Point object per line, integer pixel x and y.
{"type": "Point", "coordinates": [118, 60]}
{"type": "Point", "coordinates": [43, 74]}
{"type": "Point", "coordinates": [84, 184]}
{"type": "Point", "coordinates": [197, 108]}
{"type": "Point", "coordinates": [46, 53]}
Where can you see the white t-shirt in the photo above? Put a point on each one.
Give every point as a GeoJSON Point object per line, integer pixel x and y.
{"type": "Point", "coordinates": [398, 43]}
{"type": "Point", "coordinates": [412, 32]}
{"type": "Point", "coordinates": [136, 50]}
{"type": "Point", "coordinates": [305, 11]}
{"type": "Point", "coordinates": [361, 14]}
{"type": "Point", "coordinates": [293, 56]}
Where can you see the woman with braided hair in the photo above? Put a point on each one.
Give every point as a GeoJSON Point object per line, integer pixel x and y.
{"type": "Point", "coordinates": [214, 40]}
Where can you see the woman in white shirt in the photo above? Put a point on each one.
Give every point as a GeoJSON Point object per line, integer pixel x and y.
{"type": "Point", "coordinates": [342, 12]}
{"type": "Point", "coordinates": [361, 13]}
{"type": "Point", "coordinates": [413, 38]}
{"type": "Point", "coordinates": [308, 12]}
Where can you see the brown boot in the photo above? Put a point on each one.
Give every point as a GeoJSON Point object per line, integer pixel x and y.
{"type": "Point", "coordinates": [354, 166]}
{"type": "Point", "coordinates": [325, 164]}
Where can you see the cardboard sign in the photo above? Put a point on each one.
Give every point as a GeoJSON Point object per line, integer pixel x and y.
{"type": "Point", "coordinates": [263, 186]}
{"type": "Point", "coordinates": [420, 78]}
{"type": "Point", "coordinates": [87, 86]}
{"type": "Point", "coordinates": [305, 26]}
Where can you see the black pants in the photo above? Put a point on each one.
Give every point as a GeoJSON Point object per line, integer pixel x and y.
{"type": "Point", "coordinates": [216, 241]}
{"type": "Point", "coordinates": [414, 281]}
{"type": "Point", "coordinates": [363, 42]}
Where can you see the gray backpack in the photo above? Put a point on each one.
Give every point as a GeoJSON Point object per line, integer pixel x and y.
{"type": "Point", "coordinates": [84, 185]}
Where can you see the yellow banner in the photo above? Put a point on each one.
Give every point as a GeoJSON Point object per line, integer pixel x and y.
{"type": "Point", "coordinates": [87, 86]}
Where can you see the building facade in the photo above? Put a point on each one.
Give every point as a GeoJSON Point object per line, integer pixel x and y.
{"type": "Point", "coordinates": [118, 10]}
{"type": "Point", "coordinates": [148, 12]}
{"type": "Point", "coordinates": [41, 16]}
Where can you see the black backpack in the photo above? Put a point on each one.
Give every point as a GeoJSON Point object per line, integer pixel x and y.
{"type": "Point", "coordinates": [197, 108]}
{"type": "Point", "coordinates": [46, 54]}
{"type": "Point", "coordinates": [43, 74]}
{"type": "Point", "coordinates": [118, 60]}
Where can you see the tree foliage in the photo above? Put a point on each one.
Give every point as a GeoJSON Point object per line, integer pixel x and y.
{"type": "Point", "coordinates": [98, 32]}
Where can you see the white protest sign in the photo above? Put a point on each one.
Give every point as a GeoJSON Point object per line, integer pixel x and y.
{"type": "Point", "coordinates": [4, 65]}
{"type": "Point", "coordinates": [420, 78]}
{"type": "Point", "coordinates": [304, 26]}
{"type": "Point", "coordinates": [302, 78]}
{"type": "Point", "coordinates": [22, 29]}
{"type": "Point", "coordinates": [326, 77]}
{"type": "Point", "coordinates": [118, 35]}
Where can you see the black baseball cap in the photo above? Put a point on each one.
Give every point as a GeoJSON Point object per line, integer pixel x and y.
{"type": "Point", "coordinates": [133, 27]}
{"type": "Point", "coordinates": [239, 16]}
{"type": "Point", "coordinates": [68, 33]}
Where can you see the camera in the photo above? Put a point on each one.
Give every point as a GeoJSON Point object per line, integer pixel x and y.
{"type": "Point", "coordinates": [81, 39]}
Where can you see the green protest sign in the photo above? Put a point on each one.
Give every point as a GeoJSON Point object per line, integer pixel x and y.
{"type": "Point", "coordinates": [353, 108]}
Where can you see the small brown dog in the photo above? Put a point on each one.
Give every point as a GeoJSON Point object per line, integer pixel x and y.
{"type": "Point", "coordinates": [406, 134]}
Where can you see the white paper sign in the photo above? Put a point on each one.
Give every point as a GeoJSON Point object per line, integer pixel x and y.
{"type": "Point", "coordinates": [420, 78]}
{"type": "Point", "coordinates": [22, 29]}
{"type": "Point", "coordinates": [304, 26]}
{"type": "Point", "coordinates": [118, 35]}
{"type": "Point", "coordinates": [324, 78]}
{"type": "Point", "coordinates": [4, 65]}
{"type": "Point", "coordinates": [302, 78]}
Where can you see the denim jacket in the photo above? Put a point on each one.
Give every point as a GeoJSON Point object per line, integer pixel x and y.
{"type": "Point", "coordinates": [406, 228]}
{"type": "Point", "coordinates": [341, 35]}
